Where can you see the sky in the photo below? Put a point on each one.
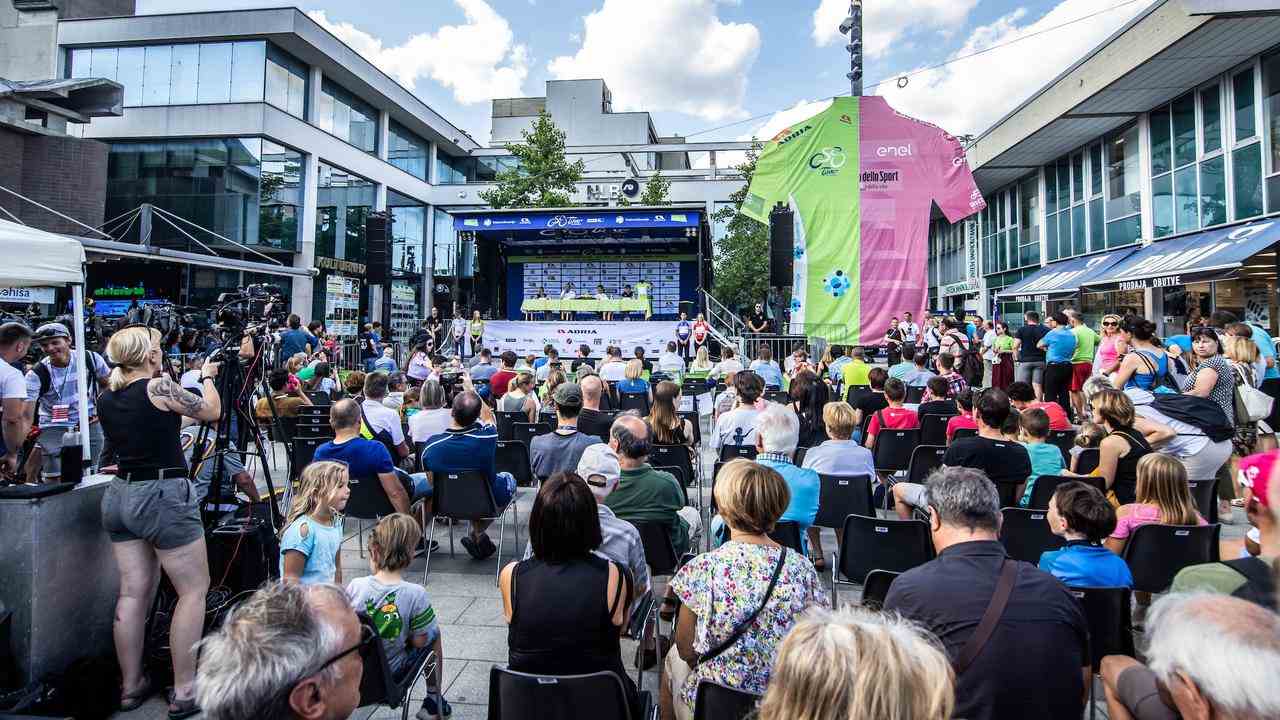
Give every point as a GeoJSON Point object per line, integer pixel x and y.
{"type": "Point", "coordinates": [716, 69]}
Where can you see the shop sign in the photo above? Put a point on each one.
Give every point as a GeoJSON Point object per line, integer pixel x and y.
{"type": "Point", "coordinates": [1155, 282]}
{"type": "Point", "coordinates": [971, 249]}
{"type": "Point", "coordinates": [27, 295]}
{"type": "Point", "coordinates": [138, 291]}
{"type": "Point", "coordinates": [1031, 298]}
{"type": "Point", "coordinates": [346, 266]}
{"type": "Point", "coordinates": [959, 288]}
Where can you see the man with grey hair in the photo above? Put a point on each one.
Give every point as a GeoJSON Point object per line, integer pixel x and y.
{"type": "Point", "coordinates": [647, 495]}
{"type": "Point", "coordinates": [777, 432]}
{"type": "Point", "coordinates": [1208, 656]}
{"type": "Point", "coordinates": [288, 651]}
{"type": "Point", "coordinates": [1017, 638]}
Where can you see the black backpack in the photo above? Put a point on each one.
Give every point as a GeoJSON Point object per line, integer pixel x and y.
{"type": "Point", "coordinates": [969, 361]}
{"type": "Point", "coordinates": [1202, 413]}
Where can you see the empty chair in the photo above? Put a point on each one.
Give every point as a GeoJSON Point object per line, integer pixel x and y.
{"type": "Point", "coordinates": [719, 702]}
{"type": "Point", "coordinates": [525, 432]}
{"type": "Point", "coordinates": [1155, 553]}
{"type": "Point", "coordinates": [1065, 440]}
{"type": "Point", "coordinates": [787, 534]}
{"type": "Point", "coordinates": [506, 422]}
{"type": "Point", "coordinates": [915, 394]}
{"type": "Point", "coordinates": [674, 456]}
{"type": "Point", "coordinates": [840, 496]}
{"type": "Point", "coordinates": [730, 452]}
{"type": "Point", "coordinates": [513, 456]}
{"type": "Point", "coordinates": [378, 685]}
{"type": "Point", "coordinates": [523, 696]}
{"type": "Point", "coordinates": [1025, 534]}
{"type": "Point", "coordinates": [933, 429]}
{"type": "Point", "coordinates": [1107, 612]}
{"type": "Point", "coordinates": [1086, 460]}
{"type": "Point", "coordinates": [1046, 485]}
{"type": "Point", "coordinates": [924, 460]}
{"type": "Point", "coordinates": [1205, 493]}
{"type": "Point", "coordinates": [963, 433]}
{"type": "Point", "coordinates": [634, 401]}
{"type": "Point", "coordinates": [467, 495]}
{"type": "Point", "coordinates": [893, 449]}
{"type": "Point", "coordinates": [870, 543]}
{"type": "Point", "coordinates": [875, 588]}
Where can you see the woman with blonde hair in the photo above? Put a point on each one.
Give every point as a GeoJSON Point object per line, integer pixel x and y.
{"type": "Point", "coordinates": [520, 397]}
{"type": "Point", "coordinates": [633, 380]}
{"type": "Point", "coordinates": [701, 366]}
{"type": "Point", "coordinates": [855, 663]}
{"type": "Point", "coordinates": [667, 426]}
{"type": "Point", "coordinates": [749, 582]}
{"type": "Point", "coordinates": [1121, 449]}
{"type": "Point", "coordinates": [1163, 496]}
{"type": "Point", "coordinates": [1110, 347]}
{"type": "Point", "coordinates": [151, 512]}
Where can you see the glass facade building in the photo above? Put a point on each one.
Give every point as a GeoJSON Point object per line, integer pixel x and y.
{"type": "Point", "coordinates": [347, 117]}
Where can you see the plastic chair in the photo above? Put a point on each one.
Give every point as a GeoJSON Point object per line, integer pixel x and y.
{"type": "Point", "coordinates": [524, 696]}
{"type": "Point", "coordinates": [915, 394]}
{"type": "Point", "coordinates": [963, 433]}
{"type": "Point", "coordinates": [1025, 534]}
{"type": "Point", "coordinates": [1155, 553]}
{"type": "Point", "coordinates": [875, 588]}
{"type": "Point", "coordinates": [924, 460]}
{"type": "Point", "coordinates": [933, 429]}
{"type": "Point", "coordinates": [674, 456]}
{"type": "Point", "coordinates": [506, 421]}
{"type": "Point", "coordinates": [893, 449]}
{"type": "Point", "coordinates": [870, 543]}
{"type": "Point", "coordinates": [525, 432]}
{"type": "Point", "coordinates": [1087, 460]}
{"type": "Point", "coordinates": [1065, 440]}
{"type": "Point", "coordinates": [1205, 493]}
{"type": "Point", "coordinates": [1046, 485]}
{"type": "Point", "coordinates": [731, 452]}
{"type": "Point", "coordinates": [467, 495]}
{"type": "Point", "coordinates": [840, 496]}
{"type": "Point", "coordinates": [378, 685]}
{"type": "Point", "coordinates": [659, 553]}
{"type": "Point", "coordinates": [1107, 612]}
{"type": "Point", "coordinates": [787, 534]}
{"type": "Point", "coordinates": [634, 401]}
{"type": "Point", "coordinates": [513, 456]}
{"type": "Point", "coordinates": [714, 701]}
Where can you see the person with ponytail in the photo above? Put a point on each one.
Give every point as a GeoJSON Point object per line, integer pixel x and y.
{"type": "Point", "coordinates": [151, 512]}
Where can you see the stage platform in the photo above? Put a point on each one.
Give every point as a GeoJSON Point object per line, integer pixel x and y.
{"type": "Point", "coordinates": [523, 337]}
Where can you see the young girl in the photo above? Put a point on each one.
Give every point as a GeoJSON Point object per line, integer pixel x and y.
{"type": "Point", "coordinates": [401, 610]}
{"type": "Point", "coordinates": [1163, 497]}
{"type": "Point", "coordinates": [1089, 437]}
{"type": "Point", "coordinates": [313, 531]}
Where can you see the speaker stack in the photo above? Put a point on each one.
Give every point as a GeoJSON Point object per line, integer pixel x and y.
{"type": "Point", "coordinates": [782, 246]}
{"type": "Point", "coordinates": [377, 234]}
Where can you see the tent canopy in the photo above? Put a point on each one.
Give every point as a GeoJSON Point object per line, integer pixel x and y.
{"type": "Point", "coordinates": [36, 258]}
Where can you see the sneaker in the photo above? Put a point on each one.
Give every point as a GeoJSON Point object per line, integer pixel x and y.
{"type": "Point", "coordinates": [472, 547]}
{"type": "Point", "coordinates": [422, 547]}
{"type": "Point", "coordinates": [487, 548]}
{"type": "Point", "coordinates": [429, 710]}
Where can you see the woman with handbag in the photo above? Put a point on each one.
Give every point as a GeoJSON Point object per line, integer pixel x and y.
{"type": "Point", "coordinates": [738, 601]}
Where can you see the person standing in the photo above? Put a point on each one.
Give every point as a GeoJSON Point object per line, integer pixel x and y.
{"type": "Point", "coordinates": [1059, 345]}
{"type": "Point", "coordinates": [910, 335]}
{"type": "Point", "coordinates": [458, 335]}
{"type": "Point", "coordinates": [476, 330]}
{"type": "Point", "coordinates": [1082, 359]}
{"type": "Point", "coordinates": [1110, 346]}
{"type": "Point", "coordinates": [15, 340]}
{"type": "Point", "coordinates": [295, 340]}
{"type": "Point", "coordinates": [1002, 365]}
{"type": "Point", "coordinates": [1030, 355]}
{"type": "Point", "coordinates": [684, 333]}
{"type": "Point", "coordinates": [701, 332]}
{"type": "Point", "coordinates": [435, 325]}
{"type": "Point", "coordinates": [989, 355]}
{"type": "Point", "coordinates": [757, 321]}
{"type": "Point", "coordinates": [53, 386]}
{"type": "Point", "coordinates": [893, 341]}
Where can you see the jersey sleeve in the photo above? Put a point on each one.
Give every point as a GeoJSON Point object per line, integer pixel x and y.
{"type": "Point", "coordinates": [955, 191]}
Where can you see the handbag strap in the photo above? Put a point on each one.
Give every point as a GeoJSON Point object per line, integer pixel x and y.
{"type": "Point", "coordinates": [742, 628]}
{"type": "Point", "coordinates": [990, 618]}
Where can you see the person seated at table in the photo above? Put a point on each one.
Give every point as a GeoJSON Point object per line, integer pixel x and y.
{"type": "Point", "coordinates": [627, 292]}
{"type": "Point", "coordinates": [602, 295]}
{"type": "Point", "coordinates": [541, 294]}
{"type": "Point", "coordinates": [567, 293]}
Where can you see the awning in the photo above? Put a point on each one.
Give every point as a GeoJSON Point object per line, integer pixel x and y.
{"type": "Point", "coordinates": [1210, 255]}
{"type": "Point", "coordinates": [1065, 277]}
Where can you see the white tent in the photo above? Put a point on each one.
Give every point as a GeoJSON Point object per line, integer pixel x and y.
{"type": "Point", "coordinates": [35, 258]}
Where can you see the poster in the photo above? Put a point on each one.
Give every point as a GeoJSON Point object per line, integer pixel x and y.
{"type": "Point", "coordinates": [342, 306]}
{"type": "Point", "coordinates": [861, 179]}
{"type": "Point", "coordinates": [404, 310]}
{"type": "Point", "coordinates": [663, 277]}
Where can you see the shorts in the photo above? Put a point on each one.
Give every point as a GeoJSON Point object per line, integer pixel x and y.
{"type": "Point", "coordinates": [164, 513]}
{"type": "Point", "coordinates": [1080, 372]}
{"type": "Point", "coordinates": [1138, 689]}
{"type": "Point", "coordinates": [1030, 371]}
{"type": "Point", "coordinates": [912, 494]}
{"type": "Point", "coordinates": [417, 484]}
{"type": "Point", "coordinates": [50, 442]}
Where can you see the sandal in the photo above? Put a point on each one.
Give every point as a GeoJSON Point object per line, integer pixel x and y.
{"type": "Point", "coordinates": [181, 709]}
{"type": "Point", "coordinates": [134, 700]}
{"type": "Point", "coordinates": [819, 563]}
{"type": "Point", "coordinates": [668, 610]}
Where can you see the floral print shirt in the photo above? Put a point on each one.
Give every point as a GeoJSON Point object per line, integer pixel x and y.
{"type": "Point", "coordinates": [723, 587]}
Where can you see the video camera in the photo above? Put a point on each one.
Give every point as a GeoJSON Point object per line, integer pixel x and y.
{"type": "Point", "coordinates": [260, 303]}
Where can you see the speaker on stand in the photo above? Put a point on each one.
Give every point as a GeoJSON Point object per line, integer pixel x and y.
{"type": "Point", "coordinates": [377, 234]}
{"type": "Point", "coordinates": [782, 261]}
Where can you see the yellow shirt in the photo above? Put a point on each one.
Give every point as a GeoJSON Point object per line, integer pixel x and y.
{"type": "Point", "coordinates": [856, 373]}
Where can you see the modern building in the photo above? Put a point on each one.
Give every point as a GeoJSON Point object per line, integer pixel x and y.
{"type": "Point", "coordinates": [1144, 178]}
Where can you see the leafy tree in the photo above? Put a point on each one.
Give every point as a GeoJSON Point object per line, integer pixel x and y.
{"type": "Point", "coordinates": [656, 192]}
{"type": "Point", "coordinates": [742, 255]}
{"type": "Point", "coordinates": [542, 176]}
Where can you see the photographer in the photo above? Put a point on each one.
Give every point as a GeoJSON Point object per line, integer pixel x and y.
{"type": "Point", "coordinates": [53, 385]}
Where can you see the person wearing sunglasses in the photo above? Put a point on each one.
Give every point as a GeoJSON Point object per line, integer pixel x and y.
{"type": "Point", "coordinates": [1110, 347]}
{"type": "Point", "coordinates": [288, 651]}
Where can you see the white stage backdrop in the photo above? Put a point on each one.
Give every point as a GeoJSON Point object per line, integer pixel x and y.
{"type": "Point", "coordinates": [532, 337]}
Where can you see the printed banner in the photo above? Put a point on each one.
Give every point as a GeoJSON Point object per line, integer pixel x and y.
{"type": "Point", "coordinates": [861, 179]}
{"type": "Point", "coordinates": [531, 337]}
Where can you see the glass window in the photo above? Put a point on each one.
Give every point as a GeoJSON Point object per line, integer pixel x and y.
{"type": "Point", "coordinates": [80, 63]}
{"type": "Point", "coordinates": [1095, 170]}
{"type": "Point", "coordinates": [1064, 183]}
{"type": "Point", "coordinates": [103, 63]}
{"type": "Point", "coordinates": [1213, 192]}
{"type": "Point", "coordinates": [1184, 130]}
{"type": "Point", "coordinates": [1161, 142]}
{"type": "Point", "coordinates": [1246, 126]}
{"type": "Point", "coordinates": [1185, 200]}
{"type": "Point", "coordinates": [1123, 194]}
{"type": "Point", "coordinates": [1079, 244]}
{"type": "Point", "coordinates": [248, 61]}
{"type": "Point", "coordinates": [324, 116]}
{"type": "Point", "coordinates": [1246, 180]}
{"type": "Point", "coordinates": [129, 74]}
{"type": "Point", "coordinates": [184, 75]}
{"type": "Point", "coordinates": [215, 73]}
{"type": "Point", "coordinates": [286, 82]}
{"type": "Point", "coordinates": [1050, 189]}
{"type": "Point", "coordinates": [1162, 205]}
{"type": "Point", "coordinates": [449, 169]}
{"type": "Point", "coordinates": [1211, 118]}
{"type": "Point", "coordinates": [1029, 194]}
{"type": "Point", "coordinates": [408, 151]}
{"type": "Point", "coordinates": [1064, 233]}
{"type": "Point", "coordinates": [352, 120]}
{"type": "Point", "coordinates": [1097, 233]}
{"type": "Point", "coordinates": [1077, 177]}
{"type": "Point", "coordinates": [281, 196]}
{"type": "Point", "coordinates": [155, 81]}
{"type": "Point", "coordinates": [1124, 232]}
{"type": "Point", "coordinates": [352, 198]}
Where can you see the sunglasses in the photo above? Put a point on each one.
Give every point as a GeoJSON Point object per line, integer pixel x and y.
{"type": "Point", "coordinates": [367, 637]}
{"type": "Point", "coordinates": [1107, 323]}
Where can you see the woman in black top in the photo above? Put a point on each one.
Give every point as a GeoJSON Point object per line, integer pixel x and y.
{"type": "Point", "coordinates": [808, 397]}
{"type": "Point", "coordinates": [150, 510]}
{"type": "Point", "coordinates": [566, 606]}
{"type": "Point", "coordinates": [1122, 447]}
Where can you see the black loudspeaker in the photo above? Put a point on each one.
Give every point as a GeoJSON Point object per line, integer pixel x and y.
{"type": "Point", "coordinates": [377, 237]}
{"type": "Point", "coordinates": [782, 246]}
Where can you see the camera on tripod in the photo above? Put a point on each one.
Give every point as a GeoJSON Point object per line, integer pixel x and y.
{"type": "Point", "coordinates": [259, 303]}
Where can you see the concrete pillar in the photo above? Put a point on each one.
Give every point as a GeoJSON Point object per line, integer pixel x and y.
{"type": "Point", "coordinates": [384, 134]}
{"type": "Point", "coordinates": [304, 288]}
{"type": "Point", "coordinates": [427, 262]}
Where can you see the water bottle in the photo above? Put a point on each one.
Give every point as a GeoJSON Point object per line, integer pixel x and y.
{"type": "Point", "coordinates": [72, 462]}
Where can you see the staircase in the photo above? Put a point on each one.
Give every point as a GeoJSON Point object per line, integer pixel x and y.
{"type": "Point", "coordinates": [726, 327]}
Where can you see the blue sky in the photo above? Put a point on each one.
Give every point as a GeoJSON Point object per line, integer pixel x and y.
{"type": "Point", "coordinates": [701, 64]}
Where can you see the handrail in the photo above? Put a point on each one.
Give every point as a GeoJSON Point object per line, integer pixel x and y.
{"type": "Point", "coordinates": [726, 327]}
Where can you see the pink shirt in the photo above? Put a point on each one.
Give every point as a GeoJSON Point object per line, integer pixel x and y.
{"type": "Point", "coordinates": [1140, 514]}
{"type": "Point", "coordinates": [894, 419]}
{"type": "Point", "coordinates": [1107, 352]}
{"type": "Point", "coordinates": [958, 422]}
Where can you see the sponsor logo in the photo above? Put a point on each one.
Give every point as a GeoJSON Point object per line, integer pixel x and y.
{"type": "Point", "coordinates": [563, 221]}
{"type": "Point", "coordinates": [828, 160]}
{"type": "Point", "coordinates": [471, 222]}
{"type": "Point", "coordinates": [894, 151]}
{"type": "Point", "coordinates": [787, 134]}
{"type": "Point", "coordinates": [619, 220]}
{"type": "Point", "coordinates": [659, 218]}
{"type": "Point", "coordinates": [681, 217]}
{"type": "Point", "coordinates": [846, 119]}
{"type": "Point", "coordinates": [524, 221]}
{"type": "Point", "coordinates": [487, 222]}
{"type": "Point", "coordinates": [562, 331]}
{"type": "Point", "coordinates": [880, 176]}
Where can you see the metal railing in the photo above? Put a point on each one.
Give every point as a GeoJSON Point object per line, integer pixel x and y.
{"type": "Point", "coordinates": [726, 327]}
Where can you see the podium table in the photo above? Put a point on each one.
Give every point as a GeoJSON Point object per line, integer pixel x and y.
{"type": "Point", "coordinates": [586, 305]}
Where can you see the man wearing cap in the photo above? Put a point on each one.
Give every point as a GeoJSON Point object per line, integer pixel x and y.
{"type": "Point", "coordinates": [1247, 577]}
{"type": "Point", "coordinates": [53, 387]}
{"type": "Point", "coordinates": [15, 340]}
{"type": "Point", "coordinates": [561, 450]}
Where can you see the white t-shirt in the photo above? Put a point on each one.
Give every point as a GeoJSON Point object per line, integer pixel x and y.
{"type": "Point", "coordinates": [613, 371]}
{"type": "Point", "coordinates": [63, 388]}
{"type": "Point", "coordinates": [910, 331]}
{"type": "Point", "coordinates": [670, 362]}
{"type": "Point", "coordinates": [724, 367]}
{"type": "Point", "coordinates": [736, 427]}
{"type": "Point", "coordinates": [568, 295]}
{"type": "Point", "coordinates": [381, 417]}
{"type": "Point", "coordinates": [12, 384]}
{"type": "Point", "coordinates": [424, 424]}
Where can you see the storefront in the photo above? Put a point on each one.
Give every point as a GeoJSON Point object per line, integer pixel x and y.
{"type": "Point", "coordinates": [1058, 286]}
{"type": "Point", "coordinates": [960, 296]}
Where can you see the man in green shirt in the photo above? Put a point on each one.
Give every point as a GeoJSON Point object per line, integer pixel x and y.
{"type": "Point", "coordinates": [647, 495]}
{"type": "Point", "coordinates": [1082, 361]}
{"type": "Point", "coordinates": [856, 371]}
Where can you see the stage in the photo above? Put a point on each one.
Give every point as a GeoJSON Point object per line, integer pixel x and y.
{"type": "Point", "coordinates": [531, 337]}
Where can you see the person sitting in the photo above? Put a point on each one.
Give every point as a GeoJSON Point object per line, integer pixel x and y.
{"type": "Point", "coordinates": [737, 426]}
{"type": "Point", "coordinates": [396, 387]}
{"type": "Point", "coordinates": [720, 590]}
{"type": "Point", "coordinates": [382, 422]}
{"type": "Point", "coordinates": [856, 372]}
{"type": "Point", "coordinates": [432, 417]}
{"type": "Point", "coordinates": [521, 398]}
{"type": "Point", "coordinates": [367, 460]}
{"type": "Point", "coordinates": [867, 404]}
{"type": "Point", "coordinates": [840, 455]}
{"type": "Point", "coordinates": [701, 368]}
{"type": "Point", "coordinates": [471, 443]}
{"type": "Point", "coordinates": [1046, 459]}
{"type": "Point", "coordinates": [1205, 656]}
{"type": "Point", "coordinates": [500, 381]}
{"type": "Point", "coordinates": [565, 606]}
{"type": "Point", "coordinates": [729, 363]}
{"type": "Point", "coordinates": [893, 417]}
{"type": "Point", "coordinates": [1249, 577]}
{"type": "Point", "coordinates": [633, 382]}
{"type": "Point", "coordinates": [965, 420]}
{"type": "Point", "coordinates": [603, 296]}
{"type": "Point", "coordinates": [322, 380]}
{"type": "Point", "coordinates": [1003, 462]}
{"type": "Point", "coordinates": [1088, 437]}
{"type": "Point", "coordinates": [401, 610]}
{"type": "Point", "coordinates": [808, 396]}
{"type": "Point", "coordinates": [1122, 448]}
{"type": "Point", "coordinates": [904, 368]}
{"type": "Point", "coordinates": [669, 428]}
{"type": "Point", "coordinates": [767, 368]}
{"type": "Point", "coordinates": [591, 420]}
{"type": "Point", "coordinates": [613, 369]}
{"type": "Point", "coordinates": [670, 361]}
{"type": "Point", "coordinates": [647, 495]}
{"type": "Point", "coordinates": [285, 396]}
{"type": "Point", "coordinates": [1081, 515]}
{"type": "Point", "coordinates": [835, 368]}
{"type": "Point", "coordinates": [544, 365]}
{"type": "Point", "coordinates": [1022, 395]}
{"type": "Point", "coordinates": [823, 665]}
{"type": "Point", "coordinates": [920, 372]}
{"type": "Point", "coordinates": [638, 353]}
{"type": "Point", "coordinates": [279, 632]}
{"type": "Point", "coordinates": [386, 363]}
{"type": "Point", "coordinates": [937, 399]}
{"type": "Point", "coordinates": [560, 449]}
{"type": "Point", "coordinates": [947, 369]}
{"type": "Point", "coordinates": [1035, 661]}
{"type": "Point", "coordinates": [1162, 496]}
{"type": "Point", "coordinates": [1012, 428]}
{"type": "Point", "coordinates": [483, 369]}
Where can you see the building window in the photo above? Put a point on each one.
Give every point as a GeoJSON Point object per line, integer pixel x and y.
{"type": "Point", "coordinates": [184, 74]}
{"type": "Point", "coordinates": [1123, 196]}
{"type": "Point", "coordinates": [1271, 111]}
{"type": "Point", "coordinates": [1029, 214]}
{"type": "Point", "coordinates": [286, 82]}
{"type": "Point", "coordinates": [407, 151]}
{"type": "Point", "coordinates": [348, 117]}
{"type": "Point", "coordinates": [1072, 184]}
{"type": "Point", "coordinates": [1246, 153]}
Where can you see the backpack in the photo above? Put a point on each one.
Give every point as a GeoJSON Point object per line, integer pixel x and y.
{"type": "Point", "coordinates": [1164, 383]}
{"type": "Point", "coordinates": [969, 361]}
{"type": "Point", "coordinates": [1260, 584]}
{"type": "Point", "coordinates": [1199, 412]}
{"type": "Point", "coordinates": [46, 378]}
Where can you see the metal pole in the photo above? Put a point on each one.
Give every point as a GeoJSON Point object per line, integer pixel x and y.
{"type": "Point", "coordinates": [852, 26]}
{"type": "Point", "coordinates": [77, 307]}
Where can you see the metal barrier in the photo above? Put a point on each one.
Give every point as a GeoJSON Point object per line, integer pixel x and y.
{"type": "Point", "coordinates": [780, 345]}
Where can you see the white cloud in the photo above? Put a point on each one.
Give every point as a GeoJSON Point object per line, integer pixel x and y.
{"type": "Point", "coordinates": [763, 132]}
{"type": "Point", "coordinates": [673, 55]}
{"type": "Point", "coordinates": [887, 23]}
{"type": "Point", "coordinates": [968, 95]}
{"type": "Point", "coordinates": [478, 60]}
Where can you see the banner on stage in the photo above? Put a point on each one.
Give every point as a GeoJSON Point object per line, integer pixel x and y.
{"type": "Point", "coordinates": [531, 337]}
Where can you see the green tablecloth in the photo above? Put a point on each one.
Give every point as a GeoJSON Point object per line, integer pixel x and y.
{"type": "Point", "coordinates": [586, 305]}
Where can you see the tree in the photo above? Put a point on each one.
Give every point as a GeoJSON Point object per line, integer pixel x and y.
{"type": "Point", "coordinates": [741, 256]}
{"type": "Point", "coordinates": [655, 193]}
{"type": "Point", "coordinates": [542, 176]}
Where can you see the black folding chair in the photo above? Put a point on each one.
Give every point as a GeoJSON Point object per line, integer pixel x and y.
{"type": "Point", "coordinates": [303, 452]}
{"type": "Point", "coordinates": [875, 588]}
{"type": "Point", "coordinates": [1046, 485]}
{"type": "Point", "coordinates": [1107, 612]}
{"type": "Point", "coordinates": [714, 701]}
{"type": "Point", "coordinates": [933, 429]}
{"type": "Point", "coordinates": [467, 495]}
{"type": "Point", "coordinates": [1205, 493]}
{"type": "Point", "coordinates": [924, 460]}
{"type": "Point", "coordinates": [893, 448]}
{"type": "Point", "coordinates": [1087, 460]}
{"type": "Point", "coordinates": [525, 432]}
{"type": "Point", "coordinates": [915, 394]}
{"type": "Point", "coordinates": [777, 396]}
{"type": "Point", "coordinates": [787, 534]}
{"type": "Point", "coordinates": [1025, 534]}
{"type": "Point", "coordinates": [870, 543]}
{"type": "Point", "coordinates": [840, 496]}
{"type": "Point", "coordinates": [696, 422]}
{"type": "Point", "coordinates": [634, 401]}
{"type": "Point", "coordinates": [524, 696]}
{"type": "Point", "coordinates": [1065, 440]}
{"type": "Point", "coordinates": [674, 456]}
{"type": "Point", "coordinates": [659, 553]}
{"type": "Point", "coordinates": [798, 457]}
{"type": "Point", "coordinates": [963, 433]}
{"type": "Point", "coordinates": [513, 456]}
{"type": "Point", "coordinates": [368, 502]}
{"type": "Point", "coordinates": [378, 685]}
{"type": "Point", "coordinates": [855, 393]}
{"type": "Point", "coordinates": [731, 452]}
{"type": "Point", "coordinates": [506, 421]}
{"type": "Point", "coordinates": [1155, 553]}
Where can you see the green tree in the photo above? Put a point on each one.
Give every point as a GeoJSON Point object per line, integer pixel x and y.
{"type": "Point", "coordinates": [656, 192]}
{"type": "Point", "coordinates": [542, 176]}
{"type": "Point", "coordinates": [741, 256]}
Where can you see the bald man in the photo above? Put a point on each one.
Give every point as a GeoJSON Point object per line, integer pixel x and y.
{"type": "Point", "coordinates": [591, 421]}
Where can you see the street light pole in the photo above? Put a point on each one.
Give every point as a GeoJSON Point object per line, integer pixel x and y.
{"type": "Point", "coordinates": [852, 26]}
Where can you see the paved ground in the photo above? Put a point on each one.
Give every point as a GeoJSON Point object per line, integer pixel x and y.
{"type": "Point", "coordinates": [469, 607]}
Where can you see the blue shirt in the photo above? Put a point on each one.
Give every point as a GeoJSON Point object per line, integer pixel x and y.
{"type": "Point", "coordinates": [804, 485]}
{"type": "Point", "coordinates": [633, 385]}
{"type": "Point", "coordinates": [1060, 345]}
{"type": "Point", "coordinates": [1267, 348]}
{"type": "Point", "coordinates": [384, 364]}
{"type": "Point", "coordinates": [836, 370]}
{"type": "Point", "coordinates": [471, 448]}
{"type": "Point", "coordinates": [1046, 459]}
{"type": "Point", "coordinates": [769, 373]}
{"type": "Point", "coordinates": [1182, 341]}
{"type": "Point", "coordinates": [1083, 564]}
{"type": "Point", "coordinates": [320, 547]}
{"type": "Point", "coordinates": [293, 342]}
{"type": "Point", "coordinates": [840, 457]}
{"type": "Point", "coordinates": [365, 459]}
